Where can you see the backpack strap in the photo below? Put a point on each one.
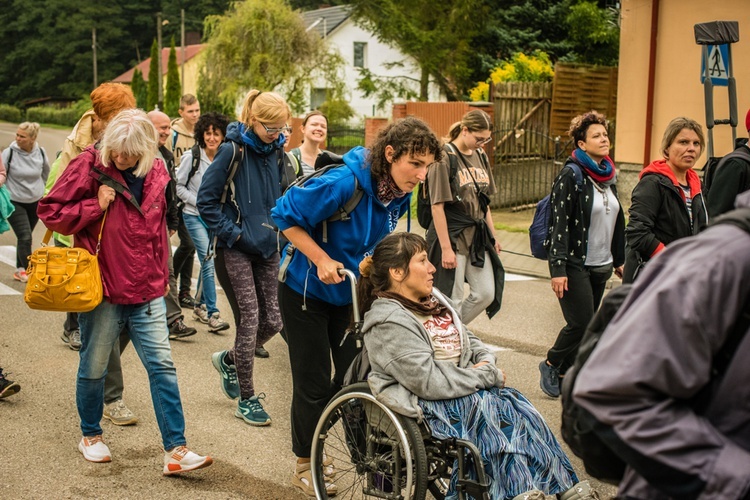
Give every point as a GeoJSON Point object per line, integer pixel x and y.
{"type": "Point", "coordinates": [7, 167]}
{"type": "Point", "coordinates": [343, 212]}
{"type": "Point", "coordinates": [297, 155]}
{"type": "Point", "coordinates": [195, 164]}
{"type": "Point", "coordinates": [238, 155]}
{"type": "Point", "coordinates": [174, 139]}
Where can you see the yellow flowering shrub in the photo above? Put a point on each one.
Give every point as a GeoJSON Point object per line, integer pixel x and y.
{"type": "Point", "coordinates": [520, 68]}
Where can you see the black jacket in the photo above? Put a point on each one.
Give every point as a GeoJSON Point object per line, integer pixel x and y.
{"type": "Point", "coordinates": [659, 216]}
{"type": "Point", "coordinates": [732, 177]}
{"type": "Point", "coordinates": [571, 218]}
{"type": "Point", "coordinates": [173, 217]}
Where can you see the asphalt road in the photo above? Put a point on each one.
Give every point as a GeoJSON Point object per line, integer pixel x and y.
{"type": "Point", "coordinates": [40, 427]}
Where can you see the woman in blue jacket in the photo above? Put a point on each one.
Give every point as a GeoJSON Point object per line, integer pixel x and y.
{"type": "Point", "coordinates": [247, 255]}
{"type": "Point", "coordinates": [315, 303]}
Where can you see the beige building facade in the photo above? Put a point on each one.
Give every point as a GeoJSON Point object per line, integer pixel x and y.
{"type": "Point", "coordinates": [671, 56]}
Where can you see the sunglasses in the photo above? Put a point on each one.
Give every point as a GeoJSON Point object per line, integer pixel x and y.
{"type": "Point", "coordinates": [272, 131]}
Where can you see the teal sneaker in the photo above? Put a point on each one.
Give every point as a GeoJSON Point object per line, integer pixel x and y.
{"type": "Point", "coordinates": [229, 384]}
{"type": "Point", "coordinates": [251, 411]}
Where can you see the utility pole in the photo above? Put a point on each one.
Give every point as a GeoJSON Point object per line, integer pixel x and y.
{"type": "Point", "coordinates": [160, 99]}
{"type": "Point", "coordinates": [93, 48]}
{"type": "Point", "coordinates": [182, 49]}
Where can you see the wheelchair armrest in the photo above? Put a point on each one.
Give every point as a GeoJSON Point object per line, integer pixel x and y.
{"type": "Point", "coordinates": [475, 488]}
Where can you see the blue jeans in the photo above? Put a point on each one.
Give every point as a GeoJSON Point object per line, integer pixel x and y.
{"type": "Point", "coordinates": [201, 240]}
{"type": "Point", "coordinates": [147, 326]}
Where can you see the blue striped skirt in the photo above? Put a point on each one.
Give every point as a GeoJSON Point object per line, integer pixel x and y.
{"type": "Point", "coordinates": [519, 451]}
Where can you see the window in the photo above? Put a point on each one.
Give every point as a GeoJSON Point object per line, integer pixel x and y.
{"type": "Point", "coordinates": [317, 97]}
{"type": "Point", "coordinates": [360, 54]}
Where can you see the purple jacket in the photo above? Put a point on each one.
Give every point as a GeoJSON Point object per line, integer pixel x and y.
{"type": "Point", "coordinates": [134, 251]}
{"type": "Point", "coordinates": [656, 356]}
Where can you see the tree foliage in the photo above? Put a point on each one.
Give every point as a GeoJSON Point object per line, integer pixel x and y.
{"type": "Point", "coordinates": [152, 97]}
{"type": "Point", "coordinates": [46, 46]}
{"type": "Point", "coordinates": [263, 44]}
{"type": "Point", "coordinates": [174, 88]}
{"type": "Point", "coordinates": [595, 33]}
{"type": "Point", "coordinates": [140, 91]}
{"type": "Point", "coordinates": [437, 35]}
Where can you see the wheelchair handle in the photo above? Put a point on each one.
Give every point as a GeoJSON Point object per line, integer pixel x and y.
{"type": "Point", "coordinates": [353, 282]}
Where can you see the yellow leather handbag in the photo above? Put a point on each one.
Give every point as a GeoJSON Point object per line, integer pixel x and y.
{"type": "Point", "coordinates": [64, 279]}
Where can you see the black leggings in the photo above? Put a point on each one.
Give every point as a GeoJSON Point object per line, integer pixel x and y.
{"type": "Point", "coordinates": [314, 336]}
{"type": "Point", "coordinates": [23, 221]}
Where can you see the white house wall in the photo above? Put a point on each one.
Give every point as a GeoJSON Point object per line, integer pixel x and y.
{"type": "Point", "coordinates": [377, 55]}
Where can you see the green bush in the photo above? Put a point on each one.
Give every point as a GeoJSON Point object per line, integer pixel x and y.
{"type": "Point", "coordinates": [10, 113]}
{"type": "Point", "coordinates": [43, 114]}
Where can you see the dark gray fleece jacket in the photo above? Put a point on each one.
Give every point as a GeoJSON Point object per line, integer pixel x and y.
{"type": "Point", "coordinates": [403, 364]}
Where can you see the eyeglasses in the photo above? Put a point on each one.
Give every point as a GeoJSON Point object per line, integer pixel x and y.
{"type": "Point", "coordinates": [271, 131]}
{"type": "Point", "coordinates": [480, 141]}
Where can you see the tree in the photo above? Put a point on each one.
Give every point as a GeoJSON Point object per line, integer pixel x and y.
{"type": "Point", "coordinates": [595, 34]}
{"type": "Point", "coordinates": [263, 44]}
{"type": "Point", "coordinates": [140, 91]}
{"type": "Point", "coordinates": [436, 34]}
{"type": "Point", "coordinates": [174, 88]}
{"type": "Point", "coordinates": [152, 98]}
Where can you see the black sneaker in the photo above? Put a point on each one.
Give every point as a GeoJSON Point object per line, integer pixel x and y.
{"type": "Point", "coordinates": [187, 301]}
{"type": "Point", "coordinates": [178, 330]}
{"type": "Point", "coordinates": [7, 387]}
{"type": "Point", "coordinates": [550, 381]}
{"type": "Point", "coordinates": [260, 352]}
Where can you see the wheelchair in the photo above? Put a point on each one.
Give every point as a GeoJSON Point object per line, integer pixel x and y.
{"type": "Point", "coordinates": [378, 453]}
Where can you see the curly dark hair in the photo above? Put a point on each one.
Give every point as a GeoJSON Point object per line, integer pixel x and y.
{"type": "Point", "coordinates": [581, 123]}
{"type": "Point", "coordinates": [206, 121]}
{"type": "Point", "coordinates": [406, 136]}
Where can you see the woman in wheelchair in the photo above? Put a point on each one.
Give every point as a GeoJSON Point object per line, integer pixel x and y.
{"type": "Point", "coordinates": [426, 365]}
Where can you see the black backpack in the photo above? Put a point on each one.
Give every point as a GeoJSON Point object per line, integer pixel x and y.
{"type": "Point", "coordinates": [602, 458]}
{"type": "Point", "coordinates": [424, 207]}
{"type": "Point", "coordinates": [326, 161]}
{"type": "Point", "coordinates": [714, 163]}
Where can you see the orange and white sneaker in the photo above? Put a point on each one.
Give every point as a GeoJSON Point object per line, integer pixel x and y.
{"type": "Point", "coordinates": [94, 449]}
{"type": "Point", "coordinates": [180, 459]}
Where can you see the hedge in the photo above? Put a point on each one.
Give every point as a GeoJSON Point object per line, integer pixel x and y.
{"type": "Point", "coordinates": [43, 114]}
{"type": "Point", "coordinates": [10, 113]}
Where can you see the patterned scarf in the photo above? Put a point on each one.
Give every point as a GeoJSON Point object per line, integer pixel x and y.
{"type": "Point", "coordinates": [603, 173]}
{"type": "Point", "coordinates": [250, 138]}
{"type": "Point", "coordinates": [428, 306]}
{"type": "Point", "coordinates": [388, 190]}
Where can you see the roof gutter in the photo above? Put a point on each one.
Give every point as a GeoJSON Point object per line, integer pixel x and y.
{"type": "Point", "coordinates": [651, 80]}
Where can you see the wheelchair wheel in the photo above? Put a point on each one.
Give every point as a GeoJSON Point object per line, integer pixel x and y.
{"type": "Point", "coordinates": [375, 452]}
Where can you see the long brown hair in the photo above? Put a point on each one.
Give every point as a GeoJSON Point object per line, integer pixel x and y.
{"type": "Point", "coordinates": [393, 252]}
{"type": "Point", "coordinates": [475, 120]}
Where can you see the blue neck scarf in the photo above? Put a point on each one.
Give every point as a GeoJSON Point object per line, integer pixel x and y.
{"type": "Point", "coordinates": [603, 173]}
{"type": "Point", "coordinates": [250, 138]}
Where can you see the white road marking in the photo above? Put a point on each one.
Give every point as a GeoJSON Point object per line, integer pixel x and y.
{"type": "Point", "coordinates": [6, 290]}
{"type": "Point", "coordinates": [8, 255]}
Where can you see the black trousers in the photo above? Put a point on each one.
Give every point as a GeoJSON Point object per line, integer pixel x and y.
{"type": "Point", "coordinates": [23, 221]}
{"type": "Point", "coordinates": [314, 336]}
{"type": "Point", "coordinates": [585, 290]}
{"type": "Point", "coordinates": [183, 259]}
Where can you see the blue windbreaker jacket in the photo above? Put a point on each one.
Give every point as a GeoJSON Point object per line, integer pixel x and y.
{"type": "Point", "coordinates": [349, 241]}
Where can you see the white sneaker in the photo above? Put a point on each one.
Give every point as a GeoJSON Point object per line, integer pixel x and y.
{"type": "Point", "coordinates": [119, 414]}
{"type": "Point", "coordinates": [94, 449]}
{"type": "Point", "coordinates": [216, 324]}
{"type": "Point", "coordinates": [200, 314]}
{"type": "Point", "coordinates": [180, 459]}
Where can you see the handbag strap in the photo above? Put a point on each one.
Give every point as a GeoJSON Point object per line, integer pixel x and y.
{"type": "Point", "coordinates": [48, 234]}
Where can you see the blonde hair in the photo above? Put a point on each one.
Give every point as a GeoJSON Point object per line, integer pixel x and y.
{"type": "Point", "coordinates": [265, 107]}
{"type": "Point", "coordinates": [475, 120]}
{"type": "Point", "coordinates": [31, 128]}
{"type": "Point", "coordinates": [131, 132]}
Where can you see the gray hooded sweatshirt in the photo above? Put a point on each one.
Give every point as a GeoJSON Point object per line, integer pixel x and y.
{"type": "Point", "coordinates": [655, 357]}
{"type": "Point", "coordinates": [27, 173]}
{"type": "Point", "coordinates": [404, 367]}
